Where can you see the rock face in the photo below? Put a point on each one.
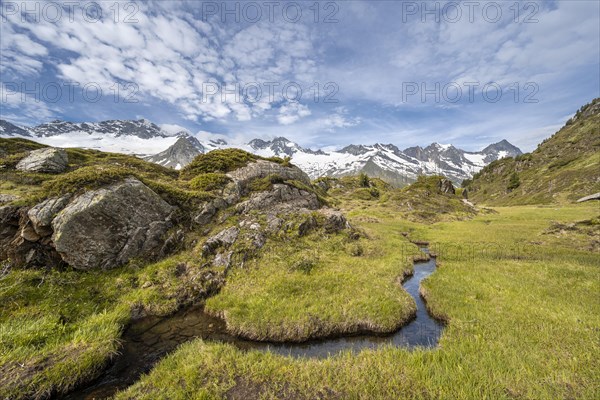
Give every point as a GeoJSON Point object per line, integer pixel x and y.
{"type": "Point", "coordinates": [107, 227]}
{"type": "Point", "coordinates": [50, 160]}
{"type": "Point", "coordinates": [224, 238]}
{"type": "Point", "coordinates": [280, 198]}
{"type": "Point", "coordinates": [445, 186]}
{"type": "Point", "coordinates": [41, 215]}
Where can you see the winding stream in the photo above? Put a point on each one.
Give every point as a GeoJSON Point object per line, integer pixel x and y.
{"type": "Point", "coordinates": [150, 339]}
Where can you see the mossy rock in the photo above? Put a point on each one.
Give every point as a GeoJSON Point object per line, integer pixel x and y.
{"type": "Point", "coordinates": [223, 161]}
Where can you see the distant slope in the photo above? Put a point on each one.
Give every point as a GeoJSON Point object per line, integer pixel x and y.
{"type": "Point", "coordinates": [563, 168]}
{"type": "Point", "coordinates": [180, 154]}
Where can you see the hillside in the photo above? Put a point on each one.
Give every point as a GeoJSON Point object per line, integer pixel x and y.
{"type": "Point", "coordinates": [563, 168]}
{"type": "Point", "coordinates": [92, 241]}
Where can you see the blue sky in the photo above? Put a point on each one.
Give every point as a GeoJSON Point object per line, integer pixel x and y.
{"type": "Point", "coordinates": [407, 73]}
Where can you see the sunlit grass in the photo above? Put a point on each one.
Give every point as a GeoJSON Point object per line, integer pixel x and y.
{"type": "Point", "coordinates": [518, 328]}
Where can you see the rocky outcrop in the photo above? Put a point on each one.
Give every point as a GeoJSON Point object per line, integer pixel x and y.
{"type": "Point", "coordinates": [107, 227]}
{"type": "Point", "coordinates": [263, 168]}
{"type": "Point", "coordinates": [280, 198]}
{"type": "Point", "coordinates": [41, 215]}
{"type": "Point", "coordinates": [21, 244]}
{"type": "Point", "coordinates": [224, 238]}
{"type": "Point", "coordinates": [208, 210]}
{"type": "Point", "coordinates": [595, 196]}
{"type": "Point", "coordinates": [7, 198]}
{"type": "Point", "coordinates": [446, 186]}
{"type": "Point", "coordinates": [49, 160]}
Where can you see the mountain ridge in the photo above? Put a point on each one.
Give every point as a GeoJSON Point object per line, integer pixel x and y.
{"type": "Point", "coordinates": [151, 142]}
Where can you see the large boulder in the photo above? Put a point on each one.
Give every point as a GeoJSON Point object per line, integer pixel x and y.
{"type": "Point", "coordinates": [263, 168]}
{"type": "Point", "coordinates": [280, 198]}
{"type": "Point", "coordinates": [50, 160]}
{"type": "Point", "coordinates": [107, 227]}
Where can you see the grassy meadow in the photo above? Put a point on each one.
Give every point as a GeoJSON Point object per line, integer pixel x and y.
{"type": "Point", "coordinates": [523, 322]}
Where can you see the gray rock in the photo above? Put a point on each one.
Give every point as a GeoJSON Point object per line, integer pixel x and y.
{"type": "Point", "coordinates": [280, 198]}
{"type": "Point", "coordinates": [105, 228]}
{"type": "Point", "coordinates": [41, 215]}
{"type": "Point", "coordinates": [465, 194]}
{"type": "Point", "coordinates": [261, 169]}
{"type": "Point", "coordinates": [208, 211]}
{"type": "Point", "coordinates": [273, 223]}
{"type": "Point", "coordinates": [7, 198]}
{"type": "Point", "coordinates": [307, 225]}
{"type": "Point", "coordinates": [595, 196]}
{"type": "Point", "coordinates": [223, 260]}
{"type": "Point", "coordinates": [445, 186]}
{"type": "Point", "coordinates": [29, 234]}
{"type": "Point", "coordinates": [51, 160]}
{"type": "Point", "coordinates": [335, 221]}
{"type": "Point", "coordinates": [323, 185]}
{"type": "Point", "coordinates": [224, 238]}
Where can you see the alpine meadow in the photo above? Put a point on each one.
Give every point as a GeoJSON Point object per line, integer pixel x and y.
{"type": "Point", "coordinates": [300, 200]}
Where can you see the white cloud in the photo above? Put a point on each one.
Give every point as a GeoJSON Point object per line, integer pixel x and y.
{"type": "Point", "coordinates": [167, 56]}
{"type": "Point", "coordinates": [291, 112]}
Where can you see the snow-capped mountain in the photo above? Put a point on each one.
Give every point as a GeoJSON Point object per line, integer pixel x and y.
{"type": "Point", "coordinates": [10, 130]}
{"type": "Point", "coordinates": [140, 137]}
{"type": "Point", "coordinates": [181, 153]}
{"type": "Point", "coordinates": [386, 161]}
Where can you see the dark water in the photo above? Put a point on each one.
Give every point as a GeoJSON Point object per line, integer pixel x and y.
{"type": "Point", "coordinates": [150, 339]}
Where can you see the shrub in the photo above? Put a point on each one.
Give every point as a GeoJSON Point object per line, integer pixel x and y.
{"type": "Point", "coordinates": [209, 182]}
{"type": "Point", "coordinates": [363, 180]}
{"type": "Point", "coordinates": [514, 182]}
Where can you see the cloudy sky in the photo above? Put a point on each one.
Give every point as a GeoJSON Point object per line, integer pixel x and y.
{"type": "Point", "coordinates": [323, 75]}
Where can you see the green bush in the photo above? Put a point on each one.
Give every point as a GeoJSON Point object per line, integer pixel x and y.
{"type": "Point", "coordinates": [209, 182]}
{"type": "Point", "coordinates": [363, 180]}
{"type": "Point", "coordinates": [365, 194]}
{"type": "Point", "coordinates": [514, 182]}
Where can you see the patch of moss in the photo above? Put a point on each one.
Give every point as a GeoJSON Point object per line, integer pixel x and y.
{"type": "Point", "coordinates": [87, 178]}
{"type": "Point", "coordinates": [222, 161]}
{"type": "Point", "coordinates": [265, 183]}
{"type": "Point", "coordinates": [209, 182]}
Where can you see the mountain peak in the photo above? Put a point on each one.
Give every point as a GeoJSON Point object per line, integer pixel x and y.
{"type": "Point", "coordinates": [503, 146]}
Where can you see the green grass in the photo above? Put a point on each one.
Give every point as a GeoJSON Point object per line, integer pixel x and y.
{"type": "Point", "coordinates": [59, 328]}
{"type": "Point", "coordinates": [316, 286]}
{"type": "Point", "coordinates": [520, 326]}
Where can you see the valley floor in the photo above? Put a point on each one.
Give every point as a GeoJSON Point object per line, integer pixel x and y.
{"type": "Point", "coordinates": [518, 289]}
